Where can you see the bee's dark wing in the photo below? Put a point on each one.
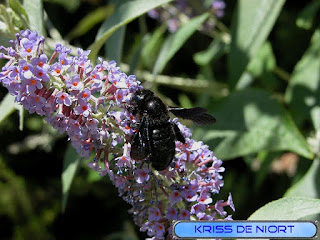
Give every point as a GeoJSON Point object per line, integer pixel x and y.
{"type": "Point", "coordinates": [198, 115]}
{"type": "Point", "coordinates": [139, 144]}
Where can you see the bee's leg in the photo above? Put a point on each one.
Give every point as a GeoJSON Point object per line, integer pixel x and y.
{"type": "Point", "coordinates": [156, 195]}
{"type": "Point", "coordinates": [178, 133]}
{"type": "Point", "coordinates": [141, 165]}
{"type": "Point", "coordinates": [139, 142]}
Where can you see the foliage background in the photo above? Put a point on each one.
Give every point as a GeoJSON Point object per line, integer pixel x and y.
{"type": "Point", "coordinates": [259, 76]}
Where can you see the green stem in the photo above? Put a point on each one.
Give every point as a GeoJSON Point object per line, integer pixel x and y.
{"type": "Point", "coordinates": [186, 84]}
{"type": "Point", "coordinates": [282, 73]}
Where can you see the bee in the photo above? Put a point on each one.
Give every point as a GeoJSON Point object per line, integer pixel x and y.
{"type": "Point", "coordinates": [156, 135]}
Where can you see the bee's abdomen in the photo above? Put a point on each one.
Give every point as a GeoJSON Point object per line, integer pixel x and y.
{"type": "Point", "coordinates": [162, 146]}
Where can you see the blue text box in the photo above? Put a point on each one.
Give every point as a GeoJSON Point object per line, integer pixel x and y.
{"type": "Point", "coordinates": [246, 229]}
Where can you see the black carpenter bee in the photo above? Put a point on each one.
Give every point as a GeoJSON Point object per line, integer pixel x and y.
{"type": "Point", "coordinates": [156, 135]}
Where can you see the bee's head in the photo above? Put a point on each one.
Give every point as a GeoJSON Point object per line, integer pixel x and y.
{"type": "Point", "coordinates": [139, 100]}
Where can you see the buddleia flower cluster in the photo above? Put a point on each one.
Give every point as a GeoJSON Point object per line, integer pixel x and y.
{"type": "Point", "coordinates": [181, 11]}
{"type": "Point", "coordinates": [89, 103]}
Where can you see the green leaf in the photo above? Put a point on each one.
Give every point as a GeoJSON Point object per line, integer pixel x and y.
{"type": "Point", "coordinates": [70, 5]}
{"type": "Point", "coordinates": [90, 20]}
{"type": "Point", "coordinates": [126, 13]}
{"type": "Point", "coordinates": [151, 48]}
{"type": "Point", "coordinates": [21, 116]}
{"type": "Point", "coordinates": [7, 106]}
{"type": "Point", "coordinates": [251, 25]}
{"type": "Point", "coordinates": [261, 67]}
{"type": "Point", "coordinates": [315, 117]}
{"type": "Point", "coordinates": [17, 7]}
{"type": "Point", "coordinates": [308, 186]}
{"type": "Point", "coordinates": [307, 14]}
{"type": "Point", "coordinates": [114, 44]}
{"type": "Point", "coordinates": [245, 81]}
{"type": "Point", "coordinates": [4, 40]}
{"type": "Point", "coordinates": [6, 21]}
{"type": "Point", "coordinates": [71, 162]}
{"type": "Point", "coordinates": [293, 208]}
{"type": "Point", "coordinates": [303, 90]}
{"type": "Point", "coordinates": [34, 9]}
{"type": "Point", "coordinates": [265, 159]}
{"type": "Point", "coordinates": [215, 50]}
{"type": "Point", "coordinates": [263, 61]}
{"type": "Point", "coordinates": [176, 40]}
{"type": "Point", "coordinates": [184, 101]}
{"type": "Point", "coordinates": [134, 56]}
{"type": "Point", "coordinates": [250, 121]}
{"type": "Point", "coordinates": [19, 16]}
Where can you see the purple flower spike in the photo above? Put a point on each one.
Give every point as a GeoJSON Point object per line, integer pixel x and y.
{"type": "Point", "coordinates": [90, 104]}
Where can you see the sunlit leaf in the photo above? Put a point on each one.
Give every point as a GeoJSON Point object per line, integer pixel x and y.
{"type": "Point", "coordinates": [250, 121]}
{"type": "Point", "coordinates": [303, 92]}
{"type": "Point", "coordinates": [6, 24]}
{"type": "Point", "coordinates": [21, 116]}
{"type": "Point", "coordinates": [34, 9]}
{"type": "Point", "coordinates": [70, 165]}
{"type": "Point", "coordinates": [307, 15]}
{"type": "Point", "coordinates": [215, 50]}
{"type": "Point", "coordinates": [315, 117]}
{"type": "Point", "coordinates": [16, 6]}
{"type": "Point", "coordinates": [263, 61]}
{"type": "Point", "coordinates": [309, 185]}
{"type": "Point", "coordinates": [251, 25]}
{"type": "Point", "coordinates": [7, 106]}
{"type": "Point", "coordinates": [114, 44]}
{"type": "Point", "coordinates": [292, 208]}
